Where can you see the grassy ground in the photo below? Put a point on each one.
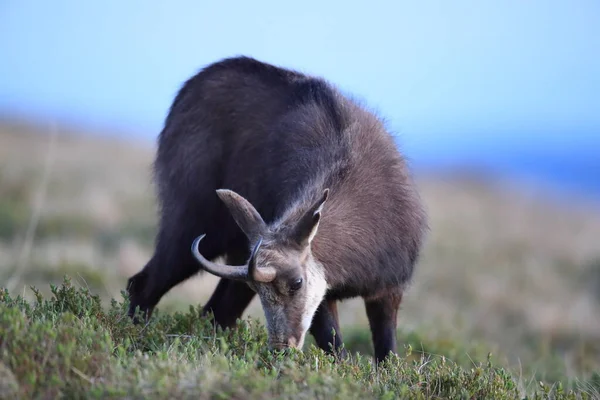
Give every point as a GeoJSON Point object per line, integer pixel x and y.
{"type": "Point", "coordinates": [505, 271]}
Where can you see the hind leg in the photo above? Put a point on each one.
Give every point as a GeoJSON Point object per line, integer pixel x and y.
{"type": "Point", "coordinates": [230, 298]}
{"type": "Point", "coordinates": [382, 314]}
{"type": "Point", "coordinates": [137, 288]}
{"type": "Point", "coordinates": [171, 264]}
{"type": "Point", "coordinates": [146, 290]}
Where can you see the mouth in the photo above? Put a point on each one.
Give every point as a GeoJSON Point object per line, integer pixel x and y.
{"type": "Point", "coordinates": [292, 343]}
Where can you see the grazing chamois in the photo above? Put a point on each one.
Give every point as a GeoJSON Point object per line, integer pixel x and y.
{"type": "Point", "coordinates": [302, 191]}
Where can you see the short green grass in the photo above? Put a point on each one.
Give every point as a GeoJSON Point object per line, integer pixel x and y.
{"type": "Point", "coordinates": [71, 346]}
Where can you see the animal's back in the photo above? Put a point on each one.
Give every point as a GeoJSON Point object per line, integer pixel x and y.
{"type": "Point", "coordinates": [212, 110]}
{"type": "Point", "coordinates": [269, 134]}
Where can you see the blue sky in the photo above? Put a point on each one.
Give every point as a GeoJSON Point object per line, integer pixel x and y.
{"type": "Point", "coordinates": [444, 72]}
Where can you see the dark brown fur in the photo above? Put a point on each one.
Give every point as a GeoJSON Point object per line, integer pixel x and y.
{"type": "Point", "coordinates": [279, 138]}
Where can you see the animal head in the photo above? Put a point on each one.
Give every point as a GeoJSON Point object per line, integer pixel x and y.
{"type": "Point", "coordinates": [281, 268]}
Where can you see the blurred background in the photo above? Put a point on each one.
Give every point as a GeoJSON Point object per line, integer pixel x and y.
{"type": "Point", "coordinates": [495, 104]}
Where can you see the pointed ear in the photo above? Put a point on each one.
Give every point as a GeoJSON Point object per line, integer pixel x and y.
{"type": "Point", "coordinates": [307, 227]}
{"type": "Point", "coordinates": [244, 213]}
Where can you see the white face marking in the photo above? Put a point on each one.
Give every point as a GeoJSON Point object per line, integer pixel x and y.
{"type": "Point", "coordinates": [277, 318]}
{"type": "Point", "coordinates": [316, 286]}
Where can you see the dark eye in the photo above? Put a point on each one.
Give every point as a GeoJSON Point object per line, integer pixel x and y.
{"type": "Point", "coordinates": [296, 284]}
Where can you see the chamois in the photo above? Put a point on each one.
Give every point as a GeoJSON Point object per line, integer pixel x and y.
{"type": "Point", "coordinates": [301, 189]}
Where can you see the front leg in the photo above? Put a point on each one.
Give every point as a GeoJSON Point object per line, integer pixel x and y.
{"type": "Point", "coordinates": [323, 323]}
{"type": "Point", "coordinates": [382, 314]}
{"type": "Point", "coordinates": [228, 302]}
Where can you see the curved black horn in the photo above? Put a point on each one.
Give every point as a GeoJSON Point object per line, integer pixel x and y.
{"type": "Point", "coordinates": [252, 260]}
{"type": "Point", "coordinates": [262, 274]}
{"type": "Point", "coordinates": [234, 272]}
{"type": "Point", "coordinates": [248, 271]}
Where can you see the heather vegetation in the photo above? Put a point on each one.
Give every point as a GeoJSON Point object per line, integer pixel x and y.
{"type": "Point", "coordinates": [505, 302]}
